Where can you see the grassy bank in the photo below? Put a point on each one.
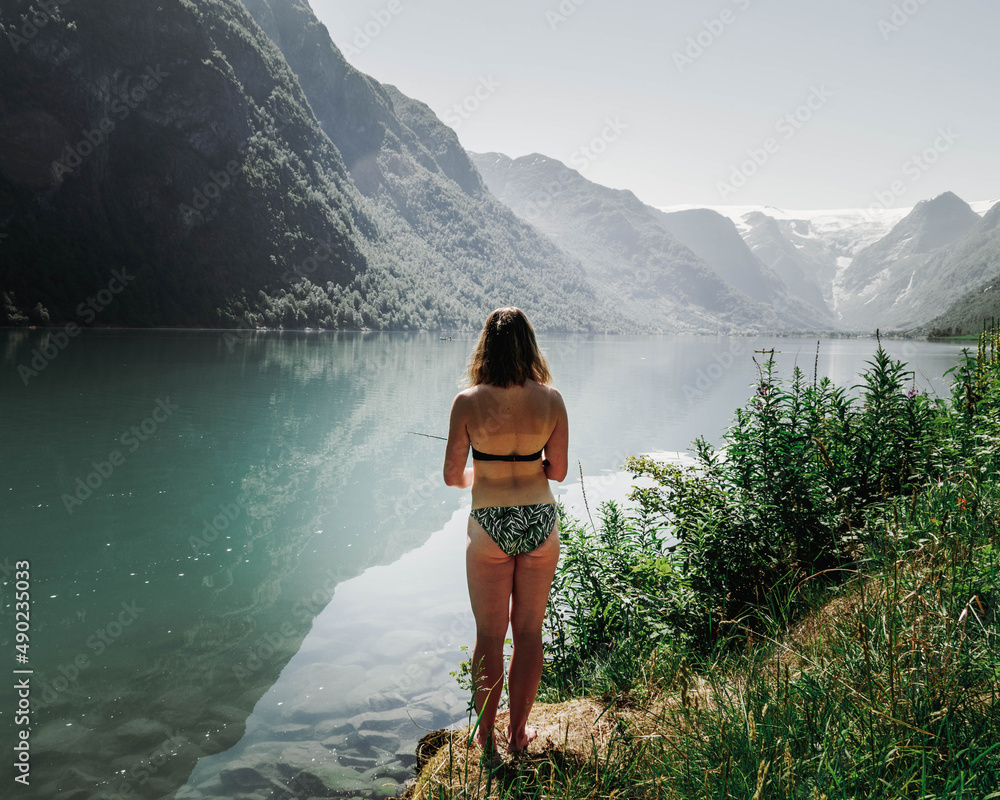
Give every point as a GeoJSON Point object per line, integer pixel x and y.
{"type": "Point", "coordinates": [809, 612]}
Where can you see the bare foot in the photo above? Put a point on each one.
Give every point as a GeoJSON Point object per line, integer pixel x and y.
{"type": "Point", "coordinates": [485, 742]}
{"type": "Point", "coordinates": [517, 744]}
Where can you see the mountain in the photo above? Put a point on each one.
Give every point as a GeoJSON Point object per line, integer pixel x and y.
{"type": "Point", "coordinates": [806, 248]}
{"type": "Point", "coordinates": [162, 163]}
{"type": "Point", "coordinates": [977, 254]}
{"type": "Point", "coordinates": [946, 250]}
{"type": "Point", "coordinates": [809, 249]}
{"type": "Point", "coordinates": [715, 239]}
{"type": "Point", "coordinates": [139, 138]}
{"type": "Point", "coordinates": [221, 164]}
{"type": "Point", "coordinates": [630, 249]}
{"type": "Point", "coordinates": [372, 124]}
{"type": "Point", "coordinates": [967, 314]}
{"type": "Point", "coordinates": [982, 207]}
{"type": "Point", "coordinates": [804, 269]}
{"type": "Point", "coordinates": [914, 271]}
{"type": "Point", "coordinates": [414, 172]}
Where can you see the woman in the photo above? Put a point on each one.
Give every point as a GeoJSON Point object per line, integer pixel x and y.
{"type": "Point", "coordinates": [511, 418]}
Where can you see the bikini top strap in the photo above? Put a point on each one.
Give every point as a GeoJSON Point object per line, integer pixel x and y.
{"type": "Point", "coordinates": [480, 456]}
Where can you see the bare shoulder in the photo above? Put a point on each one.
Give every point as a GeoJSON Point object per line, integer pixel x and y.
{"type": "Point", "coordinates": [555, 397]}
{"type": "Point", "coordinates": [461, 404]}
{"type": "Point", "coordinates": [465, 396]}
{"type": "Point", "coordinates": [551, 399]}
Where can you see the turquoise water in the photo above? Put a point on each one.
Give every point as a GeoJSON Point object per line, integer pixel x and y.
{"type": "Point", "coordinates": [218, 525]}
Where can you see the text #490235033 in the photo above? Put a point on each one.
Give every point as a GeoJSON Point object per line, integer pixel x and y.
{"type": "Point", "coordinates": [22, 675]}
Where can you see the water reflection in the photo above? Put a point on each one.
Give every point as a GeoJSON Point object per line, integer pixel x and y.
{"type": "Point", "coordinates": [184, 588]}
{"type": "Point", "coordinates": [275, 475]}
{"type": "Point", "coordinates": [370, 679]}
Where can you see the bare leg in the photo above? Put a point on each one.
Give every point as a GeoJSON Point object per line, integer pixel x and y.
{"type": "Point", "coordinates": [533, 574]}
{"type": "Point", "coordinates": [490, 574]}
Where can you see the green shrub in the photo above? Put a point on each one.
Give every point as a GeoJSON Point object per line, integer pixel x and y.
{"type": "Point", "coordinates": [786, 498]}
{"type": "Point", "coordinates": [610, 602]}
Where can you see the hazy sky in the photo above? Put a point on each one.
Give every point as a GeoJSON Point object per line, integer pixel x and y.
{"type": "Point", "coordinates": [793, 103]}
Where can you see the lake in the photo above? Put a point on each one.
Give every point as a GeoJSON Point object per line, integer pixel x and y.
{"type": "Point", "coordinates": [243, 564]}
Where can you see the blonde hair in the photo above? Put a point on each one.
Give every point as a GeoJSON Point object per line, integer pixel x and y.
{"type": "Point", "coordinates": [507, 352]}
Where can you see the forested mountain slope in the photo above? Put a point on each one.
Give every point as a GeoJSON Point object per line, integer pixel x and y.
{"type": "Point", "coordinates": [171, 144]}
{"type": "Point", "coordinates": [623, 246]}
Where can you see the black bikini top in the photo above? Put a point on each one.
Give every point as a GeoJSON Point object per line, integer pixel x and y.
{"type": "Point", "coordinates": [478, 456]}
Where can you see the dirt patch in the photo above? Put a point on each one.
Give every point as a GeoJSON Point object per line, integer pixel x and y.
{"type": "Point", "coordinates": [570, 732]}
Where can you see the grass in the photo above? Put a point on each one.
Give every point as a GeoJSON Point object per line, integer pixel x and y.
{"type": "Point", "coordinates": [889, 690]}
{"type": "Point", "coordinates": [877, 676]}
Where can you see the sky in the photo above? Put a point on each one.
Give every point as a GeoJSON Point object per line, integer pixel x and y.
{"type": "Point", "coordinates": [797, 104]}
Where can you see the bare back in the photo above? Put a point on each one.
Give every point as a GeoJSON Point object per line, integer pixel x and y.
{"type": "Point", "coordinates": [504, 421]}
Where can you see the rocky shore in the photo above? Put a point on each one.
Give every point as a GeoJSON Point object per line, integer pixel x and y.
{"type": "Point", "coordinates": [369, 754]}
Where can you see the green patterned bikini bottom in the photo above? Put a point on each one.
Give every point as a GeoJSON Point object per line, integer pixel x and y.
{"type": "Point", "coordinates": [517, 529]}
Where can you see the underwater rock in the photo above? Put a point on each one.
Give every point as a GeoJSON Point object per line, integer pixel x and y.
{"type": "Point", "coordinates": [143, 733]}
{"type": "Point", "coordinates": [392, 719]}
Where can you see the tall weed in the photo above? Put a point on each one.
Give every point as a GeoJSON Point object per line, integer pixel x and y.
{"type": "Point", "coordinates": [786, 499]}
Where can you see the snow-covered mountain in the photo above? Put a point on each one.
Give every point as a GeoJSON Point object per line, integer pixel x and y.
{"type": "Point", "coordinates": [808, 248]}
{"type": "Point", "coordinates": [961, 280]}
{"type": "Point", "coordinates": [687, 272]}
{"type": "Point", "coordinates": [887, 267]}
{"type": "Point", "coordinates": [715, 239]}
{"type": "Point", "coordinates": [883, 280]}
{"type": "Point", "coordinates": [982, 207]}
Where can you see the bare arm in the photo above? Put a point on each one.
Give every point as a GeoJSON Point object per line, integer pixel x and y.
{"type": "Point", "coordinates": [557, 447]}
{"type": "Point", "coordinates": [456, 452]}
